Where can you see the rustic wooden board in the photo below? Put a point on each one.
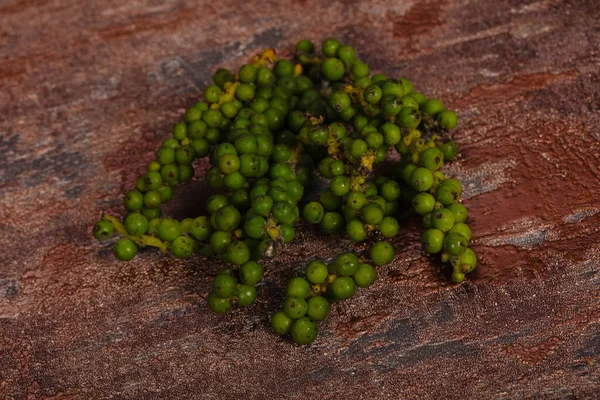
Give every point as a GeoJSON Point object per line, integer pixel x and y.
{"type": "Point", "coordinates": [89, 89]}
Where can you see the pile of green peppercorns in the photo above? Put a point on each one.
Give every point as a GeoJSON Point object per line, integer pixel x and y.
{"type": "Point", "coordinates": [267, 130]}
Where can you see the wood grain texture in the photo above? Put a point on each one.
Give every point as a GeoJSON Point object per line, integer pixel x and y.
{"type": "Point", "coordinates": [89, 89]}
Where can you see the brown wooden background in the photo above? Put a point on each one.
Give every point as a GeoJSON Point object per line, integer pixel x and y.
{"type": "Point", "coordinates": [89, 89]}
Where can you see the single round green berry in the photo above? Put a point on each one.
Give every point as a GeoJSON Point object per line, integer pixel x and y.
{"type": "Point", "coordinates": [365, 276]}
{"type": "Point", "coordinates": [153, 180]}
{"type": "Point", "coordinates": [343, 287]}
{"type": "Point", "coordinates": [304, 330]}
{"type": "Point", "coordinates": [449, 150]}
{"type": "Point", "coordinates": [461, 228]}
{"type": "Point", "coordinates": [295, 307]}
{"type": "Point", "coordinates": [125, 249]}
{"type": "Point", "coordinates": [219, 241]}
{"type": "Point", "coordinates": [186, 225]}
{"type": "Point", "coordinates": [151, 213]}
{"type": "Point", "coordinates": [281, 153]}
{"type": "Point", "coordinates": [325, 167]}
{"type": "Point", "coordinates": [372, 213]}
{"type": "Point", "coordinates": [169, 229]}
{"type": "Point", "coordinates": [224, 286]}
{"type": "Point", "coordinates": [432, 158]}
{"type": "Point", "coordinates": [228, 218]}
{"type": "Point", "coordinates": [215, 203]}
{"type": "Point", "coordinates": [313, 212]}
{"type": "Point", "coordinates": [318, 308]}
{"type": "Point", "coordinates": [347, 54]}
{"type": "Point", "coordinates": [281, 323]}
{"type": "Point", "coordinates": [186, 172]}
{"type": "Point", "coordinates": [388, 227]}
{"type": "Point", "coordinates": [238, 252]}
{"type": "Point", "coordinates": [358, 148]}
{"type": "Point", "coordinates": [333, 69]}
{"type": "Point", "coordinates": [297, 287]}
{"type": "Point", "coordinates": [153, 226]}
{"type": "Point", "coordinates": [459, 211]}
{"type": "Point", "coordinates": [410, 101]}
{"type": "Point", "coordinates": [305, 46]}
{"type": "Point", "coordinates": [433, 107]}
{"type": "Point", "coordinates": [391, 105]}
{"type": "Point", "coordinates": [340, 186]}
{"type": "Point", "coordinates": [316, 272]}
{"type": "Point", "coordinates": [166, 194]}
{"type": "Point", "coordinates": [332, 222]}
{"type": "Point", "coordinates": [136, 224]}
{"type": "Point", "coordinates": [421, 179]}
{"type": "Point", "coordinates": [374, 140]}
{"type": "Point", "coordinates": [347, 264]}
{"type": "Point", "coordinates": [229, 163]}
{"type": "Point", "coordinates": [442, 219]}
{"type": "Point", "coordinates": [212, 93]}
{"type": "Point", "coordinates": [340, 101]}
{"type": "Point", "coordinates": [218, 304]}
{"type": "Point", "coordinates": [363, 83]}
{"type": "Point", "coordinates": [423, 203]}
{"type": "Point", "coordinates": [373, 94]}
{"type": "Point", "coordinates": [452, 182]}
{"type": "Point", "coordinates": [432, 240]}
{"type": "Point", "coordinates": [390, 190]}
{"type": "Point", "coordinates": [392, 87]}
{"type": "Point", "coordinates": [356, 200]}
{"type": "Point", "coordinates": [251, 273]}
{"type": "Point", "coordinates": [247, 73]}
{"type": "Point", "coordinates": [103, 230]}
{"type": "Point", "coordinates": [330, 47]}
{"type": "Point", "coordinates": [166, 155]}
{"type": "Point", "coordinates": [284, 212]}
{"type": "Point", "coordinates": [356, 230]}
{"type": "Point", "coordinates": [152, 199]}
{"type": "Point", "coordinates": [337, 168]}
{"type": "Point", "coordinates": [133, 200]}
{"type": "Point", "coordinates": [448, 194]}
{"type": "Point", "coordinates": [408, 117]}
{"type": "Point", "coordinates": [455, 244]}
{"type": "Point", "coordinates": [170, 174]}
{"type": "Point", "coordinates": [318, 134]}
{"type": "Point", "coordinates": [201, 228]}
{"type": "Point", "coordinates": [246, 143]}
{"type": "Point", "coordinates": [180, 131]}
{"type": "Point", "coordinates": [287, 232]}
{"type": "Point", "coordinates": [185, 155]}
{"type": "Point", "coordinates": [246, 295]}
{"type": "Point", "coordinates": [467, 260]}
{"type": "Point", "coordinates": [458, 277]}
{"type": "Point", "coordinates": [182, 247]}
{"type": "Point", "coordinates": [262, 205]}
{"type": "Point", "coordinates": [447, 119]}
{"type": "Point", "coordinates": [240, 199]}
{"type": "Point", "coordinates": [360, 70]}
{"type": "Point", "coordinates": [420, 97]}
{"type": "Point", "coordinates": [382, 253]}
{"type": "Point", "coordinates": [408, 86]}
{"type": "Point", "coordinates": [254, 227]}
{"type": "Point", "coordinates": [195, 130]}
{"type": "Point", "coordinates": [283, 68]}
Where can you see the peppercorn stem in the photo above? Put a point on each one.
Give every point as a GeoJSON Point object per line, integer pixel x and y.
{"type": "Point", "coordinates": [142, 241]}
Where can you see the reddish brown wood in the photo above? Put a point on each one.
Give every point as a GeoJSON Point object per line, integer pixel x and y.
{"type": "Point", "coordinates": [89, 89]}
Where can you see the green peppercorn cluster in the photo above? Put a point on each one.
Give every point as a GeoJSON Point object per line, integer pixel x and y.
{"type": "Point", "coordinates": [308, 299]}
{"type": "Point", "coordinates": [272, 133]}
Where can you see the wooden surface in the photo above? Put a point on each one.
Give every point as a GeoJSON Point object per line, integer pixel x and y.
{"type": "Point", "coordinates": [89, 89]}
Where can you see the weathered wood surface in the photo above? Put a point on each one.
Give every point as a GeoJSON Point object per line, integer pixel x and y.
{"type": "Point", "coordinates": [88, 90]}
